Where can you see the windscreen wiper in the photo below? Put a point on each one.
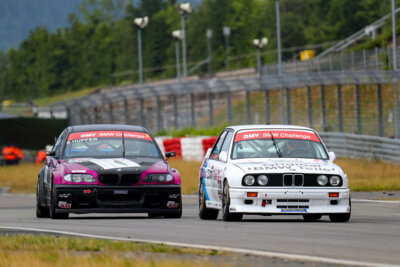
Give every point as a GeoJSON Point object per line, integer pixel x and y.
{"type": "Point", "coordinates": [276, 146]}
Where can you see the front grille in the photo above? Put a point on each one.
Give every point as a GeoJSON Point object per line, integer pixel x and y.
{"type": "Point", "coordinates": [292, 180]}
{"type": "Point", "coordinates": [292, 200]}
{"type": "Point", "coordinates": [110, 179]}
{"type": "Point", "coordinates": [119, 179]}
{"type": "Point", "coordinates": [128, 179]}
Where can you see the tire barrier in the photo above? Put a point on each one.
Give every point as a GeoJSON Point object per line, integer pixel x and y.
{"type": "Point", "coordinates": [187, 148]}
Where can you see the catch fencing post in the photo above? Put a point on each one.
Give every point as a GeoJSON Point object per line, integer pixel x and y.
{"type": "Point", "coordinates": [142, 115]}
{"type": "Point", "coordinates": [380, 109]}
{"type": "Point", "coordinates": [288, 107]}
{"type": "Point", "coordinates": [192, 107]}
{"type": "Point", "coordinates": [267, 107]}
{"type": "Point", "coordinates": [309, 104]}
{"type": "Point", "coordinates": [358, 109]}
{"type": "Point", "coordinates": [376, 58]}
{"type": "Point", "coordinates": [340, 107]}
{"type": "Point", "coordinates": [125, 110]}
{"type": "Point", "coordinates": [248, 109]}
{"type": "Point", "coordinates": [323, 107]}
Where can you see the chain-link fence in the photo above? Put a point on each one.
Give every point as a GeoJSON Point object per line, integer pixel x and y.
{"type": "Point", "coordinates": [342, 101]}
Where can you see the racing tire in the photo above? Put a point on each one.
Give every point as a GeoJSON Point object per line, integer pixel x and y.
{"type": "Point", "coordinates": [53, 205]}
{"type": "Point", "coordinates": [173, 215]}
{"type": "Point", "coordinates": [204, 212]}
{"type": "Point", "coordinates": [41, 212]}
{"type": "Point", "coordinates": [340, 217]}
{"type": "Point", "coordinates": [311, 217]}
{"type": "Point", "coordinates": [226, 201]}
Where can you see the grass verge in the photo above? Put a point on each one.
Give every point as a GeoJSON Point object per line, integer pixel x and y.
{"type": "Point", "coordinates": [43, 250]}
{"type": "Point", "coordinates": [363, 175]}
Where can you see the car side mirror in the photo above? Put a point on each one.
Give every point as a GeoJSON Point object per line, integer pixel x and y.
{"type": "Point", "coordinates": [332, 155]}
{"type": "Point", "coordinates": [223, 156]}
{"type": "Point", "coordinates": [50, 153]}
{"type": "Point", "coordinates": [208, 153]}
{"type": "Point", "coordinates": [170, 154]}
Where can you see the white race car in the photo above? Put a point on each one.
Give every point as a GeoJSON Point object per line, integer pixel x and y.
{"type": "Point", "coordinates": [271, 170]}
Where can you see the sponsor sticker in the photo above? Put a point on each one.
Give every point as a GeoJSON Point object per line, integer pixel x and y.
{"type": "Point", "coordinates": [173, 196]}
{"type": "Point", "coordinates": [64, 205]}
{"type": "Point", "coordinates": [294, 210]}
{"type": "Point", "coordinates": [107, 134]}
{"type": "Point", "coordinates": [172, 204]}
{"type": "Point", "coordinates": [64, 195]}
{"type": "Point", "coordinates": [277, 134]}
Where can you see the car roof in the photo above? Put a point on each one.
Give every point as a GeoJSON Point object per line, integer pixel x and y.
{"type": "Point", "coordinates": [107, 127]}
{"type": "Point", "coordinates": [267, 126]}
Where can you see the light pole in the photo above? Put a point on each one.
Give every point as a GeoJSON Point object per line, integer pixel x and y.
{"type": "Point", "coordinates": [259, 43]}
{"type": "Point", "coordinates": [177, 36]}
{"type": "Point", "coordinates": [140, 23]}
{"type": "Point", "coordinates": [227, 33]}
{"type": "Point", "coordinates": [184, 9]}
{"type": "Point", "coordinates": [396, 94]}
{"type": "Point", "coordinates": [278, 34]}
{"type": "Point", "coordinates": [209, 36]}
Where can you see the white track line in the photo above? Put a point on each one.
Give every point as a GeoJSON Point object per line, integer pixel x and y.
{"type": "Point", "coordinates": [376, 201]}
{"type": "Point", "coordinates": [288, 256]}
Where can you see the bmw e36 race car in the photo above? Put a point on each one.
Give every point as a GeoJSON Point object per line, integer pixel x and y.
{"type": "Point", "coordinates": [107, 169]}
{"type": "Point", "coordinates": [272, 170]}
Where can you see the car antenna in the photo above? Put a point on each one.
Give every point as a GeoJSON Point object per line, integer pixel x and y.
{"type": "Point", "coordinates": [123, 144]}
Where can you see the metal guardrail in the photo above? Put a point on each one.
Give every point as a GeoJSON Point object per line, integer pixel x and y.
{"type": "Point", "coordinates": [362, 146]}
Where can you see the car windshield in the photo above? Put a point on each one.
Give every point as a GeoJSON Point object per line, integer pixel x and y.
{"type": "Point", "coordinates": [278, 144]}
{"type": "Point", "coordinates": [110, 144]}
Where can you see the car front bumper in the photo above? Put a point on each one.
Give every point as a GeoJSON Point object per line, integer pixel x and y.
{"type": "Point", "coordinates": [289, 201]}
{"type": "Point", "coordinates": [118, 199]}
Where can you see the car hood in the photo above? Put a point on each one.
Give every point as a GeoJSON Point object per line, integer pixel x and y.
{"type": "Point", "coordinates": [287, 165]}
{"type": "Point", "coordinates": [87, 165]}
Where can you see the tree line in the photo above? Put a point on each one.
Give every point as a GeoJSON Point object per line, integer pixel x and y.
{"type": "Point", "coordinates": [101, 39]}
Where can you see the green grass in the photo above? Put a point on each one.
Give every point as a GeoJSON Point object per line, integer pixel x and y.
{"type": "Point", "coordinates": [48, 100]}
{"type": "Point", "coordinates": [43, 250]}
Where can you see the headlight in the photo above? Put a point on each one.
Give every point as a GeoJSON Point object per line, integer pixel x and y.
{"type": "Point", "coordinates": [158, 178]}
{"type": "Point", "coordinates": [249, 180]}
{"type": "Point", "coordinates": [322, 180]}
{"type": "Point", "coordinates": [262, 179]}
{"type": "Point", "coordinates": [79, 177]}
{"type": "Point", "coordinates": [334, 180]}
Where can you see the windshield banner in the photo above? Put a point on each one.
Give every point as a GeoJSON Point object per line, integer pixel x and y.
{"type": "Point", "coordinates": [263, 134]}
{"type": "Point", "coordinates": [108, 134]}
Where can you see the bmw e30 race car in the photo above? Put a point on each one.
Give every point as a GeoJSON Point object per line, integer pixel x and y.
{"type": "Point", "coordinates": [272, 170]}
{"type": "Point", "coordinates": [107, 169]}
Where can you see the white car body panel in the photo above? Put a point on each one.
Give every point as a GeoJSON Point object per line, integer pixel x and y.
{"type": "Point", "coordinates": [279, 199]}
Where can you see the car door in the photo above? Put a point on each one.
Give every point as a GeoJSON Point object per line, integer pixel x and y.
{"type": "Point", "coordinates": [220, 164]}
{"type": "Point", "coordinates": [211, 182]}
{"type": "Point", "coordinates": [52, 162]}
{"type": "Point", "coordinates": [217, 165]}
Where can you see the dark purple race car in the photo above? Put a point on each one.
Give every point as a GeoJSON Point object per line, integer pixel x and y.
{"type": "Point", "coordinates": [107, 169]}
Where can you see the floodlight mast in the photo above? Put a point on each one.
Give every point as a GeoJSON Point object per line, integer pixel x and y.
{"type": "Point", "coordinates": [177, 36]}
{"type": "Point", "coordinates": [185, 9]}
{"type": "Point", "coordinates": [140, 23]}
{"type": "Point", "coordinates": [259, 43]}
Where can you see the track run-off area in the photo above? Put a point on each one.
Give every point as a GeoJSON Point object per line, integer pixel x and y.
{"type": "Point", "coordinates": [370, 238]}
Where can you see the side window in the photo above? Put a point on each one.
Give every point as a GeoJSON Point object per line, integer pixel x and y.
{"type": "Point", "coordinates": [218, 145]}
{"type": "Point", "coordinates": [227, 142]}
{"type": "Point", "coordinates": [57, 146]}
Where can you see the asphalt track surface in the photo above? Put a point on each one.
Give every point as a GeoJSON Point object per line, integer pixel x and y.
{"type": "Point", "coordinates": [371, 238]}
